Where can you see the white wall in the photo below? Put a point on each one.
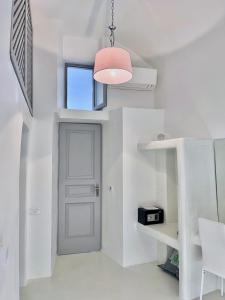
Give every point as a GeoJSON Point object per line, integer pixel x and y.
{"type": "Point", "coordinates": [112, 175]}
{"type": "Point", "coordinates": [42, 163]}
{"type": "Point", "coordinates": [191, 87]}
{"type": "Point", "coordinates": [82, 50]}
{"type": "Point", "coordinates": [13, 113]}
{"type": "Point", "coordinates": [129, 98]}
{"type": "Point", "coordinates": [133, 180]}
{"type": "Point", "coordinates": [139, 180]}
{"type": "Point", "coordinates": [43, 189]}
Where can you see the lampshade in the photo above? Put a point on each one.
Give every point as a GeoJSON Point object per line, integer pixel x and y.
{"type": "Point", "coordinates": [112, 66]}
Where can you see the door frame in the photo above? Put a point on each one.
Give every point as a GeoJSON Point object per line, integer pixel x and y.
{"type": "Point", "coordinates": [101, 181]}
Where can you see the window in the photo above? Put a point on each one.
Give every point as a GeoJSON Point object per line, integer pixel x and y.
{"type": "Point", "coordinates": [82, 92]}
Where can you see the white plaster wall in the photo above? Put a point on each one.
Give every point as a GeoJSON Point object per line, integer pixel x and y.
{"type": "Point", "coordinates": [12, 115]}
{"type": "Point", "coordinates": [112, 200]}
{"type": "Point", "coordinates": [42, 249]}
{"type": "Point", "coordinates": [139, 180]}
{"type": "Point", "coordinates": [79, 50]}
{"type": "Point", "coordinates": [132, 179]}
{"type": "Point", "coordinates": [82, 50]}
{"type": "Point", "coordinates": [60, 69]}
{"type": "Point", "coordinates": [129, 98]}
{"type": "Point", "coordinates": [191, 87]}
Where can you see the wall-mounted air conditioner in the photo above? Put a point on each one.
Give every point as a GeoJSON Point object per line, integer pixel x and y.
{"type": "Point", "coordinates": [144, 79]}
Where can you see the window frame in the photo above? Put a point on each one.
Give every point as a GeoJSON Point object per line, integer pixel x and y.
{"type": "Point", "coordinates": [105, 94]}
{"type": "Point", "coordinates": [87, 67]}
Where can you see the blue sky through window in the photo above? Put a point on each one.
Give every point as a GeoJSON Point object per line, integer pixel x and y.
{"type": "Point", "coordinates": [79, 88]}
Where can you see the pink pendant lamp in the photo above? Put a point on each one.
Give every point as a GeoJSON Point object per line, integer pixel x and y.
{"type": "Point", "coordinates": [112, 65]}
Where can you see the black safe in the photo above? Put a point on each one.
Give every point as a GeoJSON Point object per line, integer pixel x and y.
{"type": "Point", "coordinates": [150, 216]}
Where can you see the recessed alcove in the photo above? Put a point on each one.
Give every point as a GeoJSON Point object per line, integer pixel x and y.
{"type": "Point", "coordinates": [184, 183]}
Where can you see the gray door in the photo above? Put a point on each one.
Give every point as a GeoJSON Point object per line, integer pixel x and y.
{"type": "Point", "coordinates": [79, 188]}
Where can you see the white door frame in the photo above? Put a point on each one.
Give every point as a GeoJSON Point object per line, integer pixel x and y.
{"type": "Point", "coordinates": [58, 130]}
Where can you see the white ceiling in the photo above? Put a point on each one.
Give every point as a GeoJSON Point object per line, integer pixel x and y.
{"type": "Point", "coordinates": [148, 27]}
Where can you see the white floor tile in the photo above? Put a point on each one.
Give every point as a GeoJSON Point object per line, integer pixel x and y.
{"type": "Point", "coordinates": [94, 276]}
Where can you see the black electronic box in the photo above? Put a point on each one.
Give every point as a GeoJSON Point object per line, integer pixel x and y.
{"type": "Point", "coordinates": [150, 215]}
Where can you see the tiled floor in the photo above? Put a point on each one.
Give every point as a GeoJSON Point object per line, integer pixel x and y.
{"type": "Point", "coordinates": [96, 277]}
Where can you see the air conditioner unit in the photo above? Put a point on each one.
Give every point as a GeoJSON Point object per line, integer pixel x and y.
{"type": "Point", "coordinates": [144, 79]}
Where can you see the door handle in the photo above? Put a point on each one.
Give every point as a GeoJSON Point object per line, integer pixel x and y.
{"type": "Point", "coordinates": [97, 190]}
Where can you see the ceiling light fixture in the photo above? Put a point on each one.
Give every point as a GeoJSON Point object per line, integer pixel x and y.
{"type": "Point", "coordinates": [112, 64]}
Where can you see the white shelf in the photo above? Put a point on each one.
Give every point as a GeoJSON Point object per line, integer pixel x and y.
{"type": "Point", "coordinates": [73, 115]}
{"type": "Point", "coordinates": [157, 145]}
{"type": "Point", "coordinates": [165, 233]}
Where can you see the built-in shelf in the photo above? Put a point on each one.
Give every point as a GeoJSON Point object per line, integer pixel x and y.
{"type": "Point", "coordinates": [173, 177]}
{"type": "Point", "coordinates": [163, 144]}
{"type": "Point", "coordinates": [165, 233]}
{"type": "Point", "coordinates": [73, 115]}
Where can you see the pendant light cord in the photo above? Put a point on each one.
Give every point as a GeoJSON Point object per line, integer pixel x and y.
{"type": "Point", "coordinates": [112, 27]}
